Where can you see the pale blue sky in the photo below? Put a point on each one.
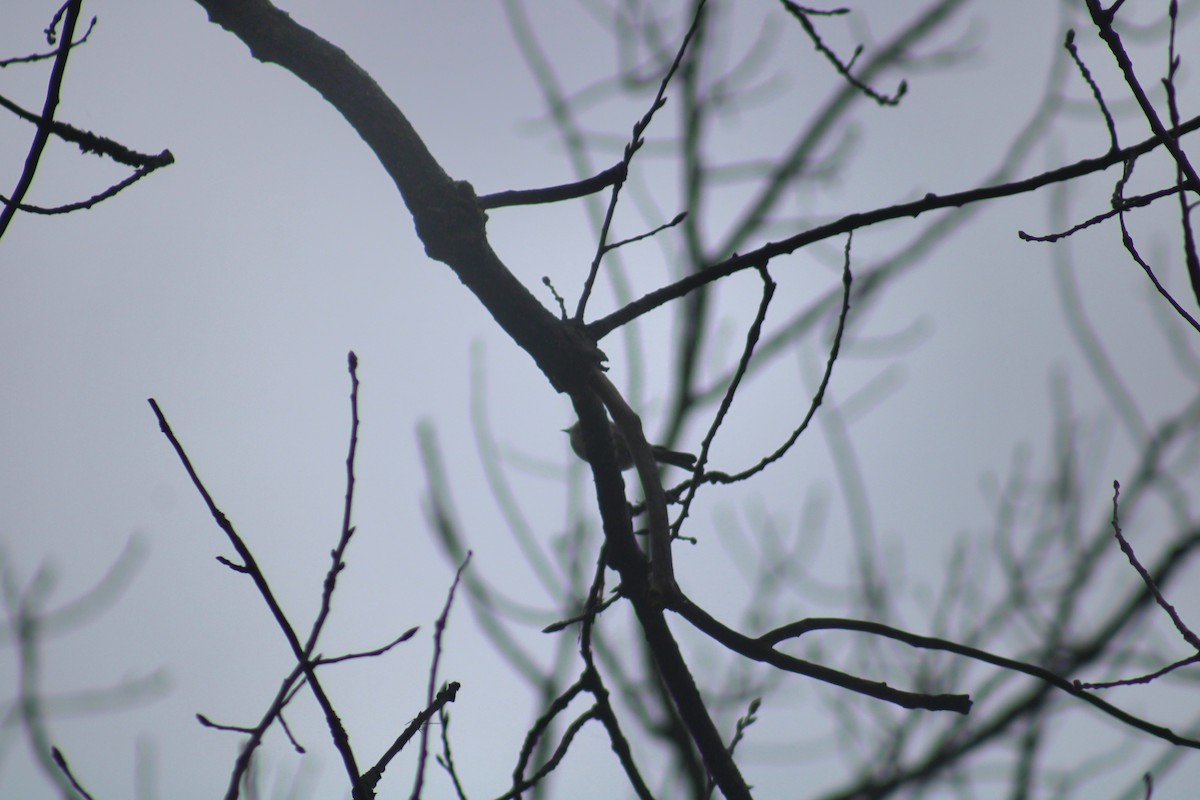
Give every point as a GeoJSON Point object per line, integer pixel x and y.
{"type": "Point", "coordinates": [231, 285]}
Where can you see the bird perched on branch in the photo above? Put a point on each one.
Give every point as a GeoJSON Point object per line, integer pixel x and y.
{"type": "Point", "coordinates": [662, 454]}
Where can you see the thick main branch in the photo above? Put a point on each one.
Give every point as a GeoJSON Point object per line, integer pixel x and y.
{"type": "Point", "coordinates": [447, 216]}
{"type": "Point", "coordinates": [451, 225]}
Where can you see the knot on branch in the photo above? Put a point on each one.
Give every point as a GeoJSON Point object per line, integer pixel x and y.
{"type": "Point", "coordinates": [451, 223]}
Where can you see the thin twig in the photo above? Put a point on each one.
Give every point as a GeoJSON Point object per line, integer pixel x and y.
{"type": "Point", "coordinates": [635, 144]}
{"type": "Point", "coordinates": [556, 194]}
{"type": "Point", "coordinates": [1187, 633]}
{"type": "Point", "coordinates": [341, 740]}
{"type": "Point", "coordinates": [439, 628]}
{"type": "Point", "coordinates": [844, 68]}
{"type": "Point", "coordinates": [48, 107]}
{"type": "Point", "coordinates": [419, 723]}
{"type": "Point", "coordinates": [852, 222]}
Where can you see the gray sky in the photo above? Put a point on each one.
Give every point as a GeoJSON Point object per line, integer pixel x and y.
{"type": "Point", "coordinates": [231, 285]}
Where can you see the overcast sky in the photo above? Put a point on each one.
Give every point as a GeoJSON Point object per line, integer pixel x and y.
{"type": "Point", "coordinates": [231, 286]}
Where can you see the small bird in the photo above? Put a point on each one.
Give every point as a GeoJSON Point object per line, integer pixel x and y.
{"type": "Point", "coordinates": [625, 458]}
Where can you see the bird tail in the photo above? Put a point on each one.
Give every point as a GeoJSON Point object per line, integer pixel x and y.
{"type": "Point", "coordinates": [674, 457]}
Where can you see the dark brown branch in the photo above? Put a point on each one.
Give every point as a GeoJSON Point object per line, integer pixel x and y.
{"type": "Point", "coordinates": [378, 651]}
{"type": "Point", "coordinates": [445, 212]}
{"type": "Point", "coordinates": [89, 142]}
{"type": "Point", "coordinates": [844, 68]}
{"type": "Point", "coordinates": [1149, 677]}
{"type": "Point", "coordinates": [48, 107]}
{"type": "Point", "coordinates": [446, 760]}
{"type": "Point", "coordinates": [439, 628]}
{"type": "Point", "coordinates": [540, 726]}
{"type": "Point", "coordinates": [447, 695]}
{"type": "Point", "coordinates": [555, 759]}
{"type": "Point", "coordinates": [337, 554]}
{"type": "Point", "coordinates": [61, 761]}
{"type": "Point", "coordinates": [287, 690]}
{"type": "Point", "coordinates": [797, 629]}
{"type": "Point", "coordinates": [1190, 257]}
{"type": "Point", "coordinates": [594, 683]}
{"type": "Point", "coordinates": [1168, 139]}
{"type": "Point", "coordinates": [1131, 247]}
{"type": "Point", "coordinates": [752, 336]}
{"type": "Point", "coordinates": [761, 649]}
{"type": "Point", "coordinates": [626, 558]}
{"type": "Point", "coordinates": [337, 732]}
{"type": "Point", "coordinates": [219, 726]}
{"type": "Point", "coordinates": [931, 202]}
{"type": "Point", "coordinates": [1187, 633]}
{"type": "Point", "coordinates": [635, 143]}
{"type": "Point", "coordinates": [678, 218]}
{"type": "Point", "coordinates": [1126, 203]}
{"type": "Point", "coordinates": [556, 194]}
{"type": "Point", "coordinates": [818, 398]}
{"type": "Point", "coordinates": [96, 199]}
{"type": "Point", "coordinates": [35, 57]}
